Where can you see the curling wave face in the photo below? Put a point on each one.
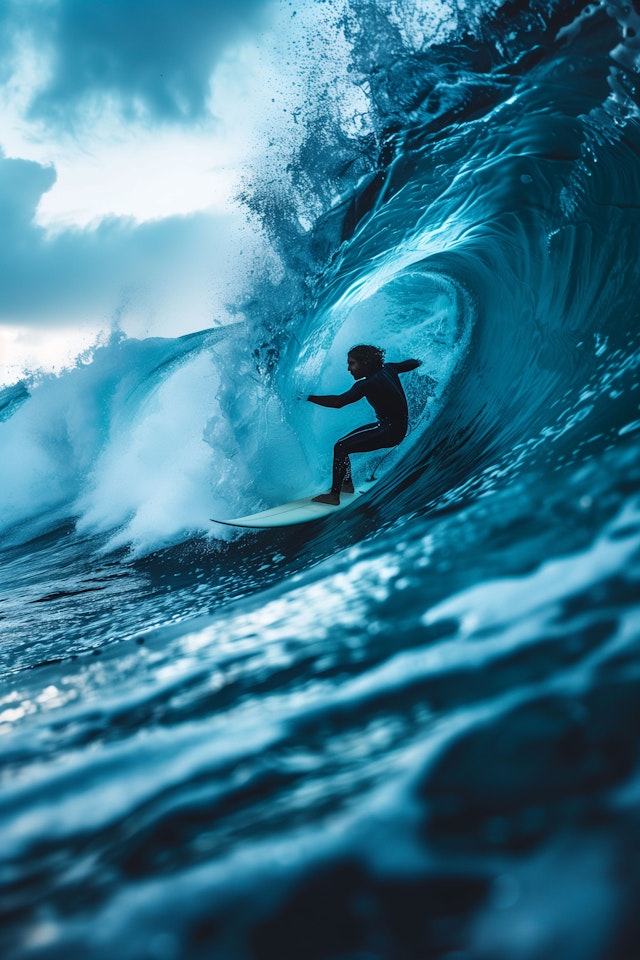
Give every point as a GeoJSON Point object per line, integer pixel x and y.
{"type": "Point", "coordinates": [413, 731]}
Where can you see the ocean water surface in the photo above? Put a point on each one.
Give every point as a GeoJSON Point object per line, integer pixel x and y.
{"type": "Point", "coordinates": [409, 731]}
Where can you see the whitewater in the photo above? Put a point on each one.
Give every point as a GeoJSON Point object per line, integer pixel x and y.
{"type": "Point", "coordinates": [409, 731]}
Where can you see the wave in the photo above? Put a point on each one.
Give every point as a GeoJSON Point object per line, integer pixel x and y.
{"type": "Point", "coordinates": [11, 398]}
{"type": "Point", "coordinates": [413, 731]}
{"type": "Point", "coordinates": [488, 238]}
{"type": "Point", "coordinates": [96, 442]}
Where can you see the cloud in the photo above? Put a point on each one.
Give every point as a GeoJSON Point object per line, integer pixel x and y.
{"type": "Point", "coordinates": [22, 183]}
{"type": "Point", "coordinates": [153, 57]}
{"type": "Point", "coordinates": [74, 70]}
{"type": "Point", "coordinates": [88, 275]}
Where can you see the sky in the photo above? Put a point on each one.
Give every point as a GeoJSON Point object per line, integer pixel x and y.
{"type": "Point", "coordinates": [126, 129]}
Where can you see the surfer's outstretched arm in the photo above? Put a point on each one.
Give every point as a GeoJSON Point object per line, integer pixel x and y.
{"type": "Point", "coordinates": [405, 365]}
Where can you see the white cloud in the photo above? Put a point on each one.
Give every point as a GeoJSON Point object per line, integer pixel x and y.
{"type": "Point", "coordinates": [143, 174]}
{"type": "Point", "coordinates": [128, 128]}
{"type": "Point", "coordinates": [154, 57]}
{"type": "Point", "coordinates": [109, 164]}
{"type": "Point", "coordinates": [47, 350]}
{"type": "Point", "coordinates": [163, 277]}
{"type": "Point", "coordinates": [106, 221]}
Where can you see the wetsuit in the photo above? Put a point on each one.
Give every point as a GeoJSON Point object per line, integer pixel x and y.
{"type": "Point", "coordinates": [384, 392]}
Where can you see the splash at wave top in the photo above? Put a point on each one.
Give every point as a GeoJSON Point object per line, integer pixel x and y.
{"type": "Point", "coordinates": [410, 730]}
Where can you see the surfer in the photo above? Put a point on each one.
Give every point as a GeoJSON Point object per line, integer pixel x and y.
{"type": "Point", "coordinates": [380, 384]}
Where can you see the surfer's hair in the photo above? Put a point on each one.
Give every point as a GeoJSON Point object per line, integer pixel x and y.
{"type": "Point", "coordinates": [371, 358]}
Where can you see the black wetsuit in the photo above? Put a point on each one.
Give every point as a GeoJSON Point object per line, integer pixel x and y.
{"type": "Point", "coordinates": [384, 392]}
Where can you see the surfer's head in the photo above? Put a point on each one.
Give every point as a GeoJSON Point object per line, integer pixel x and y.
{"type": "Point", "coordinates": [364, 360]}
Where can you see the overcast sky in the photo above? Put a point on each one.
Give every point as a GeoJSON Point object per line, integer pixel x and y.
{"type": "Point", "coordinates": [126, 126]}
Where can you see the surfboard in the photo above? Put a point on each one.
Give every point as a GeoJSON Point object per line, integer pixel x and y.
{"type": "Point", "coordinates": [297, 511]}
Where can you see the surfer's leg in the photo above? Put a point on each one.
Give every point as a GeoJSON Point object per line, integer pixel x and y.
{"type": "Point", "coordinates": [341, 470]}
{"type": "Point", "coordinates": [373, 436]}
{"type": "Point", "coordinates": [347, 483]}
{"type": "Point", "coordinates": [341, 478]}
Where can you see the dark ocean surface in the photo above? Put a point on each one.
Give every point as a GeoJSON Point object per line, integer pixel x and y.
{"type": "Point", "coordinates": [409, 731]}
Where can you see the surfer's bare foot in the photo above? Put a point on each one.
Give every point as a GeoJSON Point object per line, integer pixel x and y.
{"type": "Point", "coordinates": [347, 487]}
{"type": "Point", "coordinates": [331, 498]}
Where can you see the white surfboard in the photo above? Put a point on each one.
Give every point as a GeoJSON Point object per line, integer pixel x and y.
{"type": "Point", "coordinates": [298, 511]}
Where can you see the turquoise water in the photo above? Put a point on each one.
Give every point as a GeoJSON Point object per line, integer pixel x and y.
{"type": "Point", "coordinates": [411, 730]}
